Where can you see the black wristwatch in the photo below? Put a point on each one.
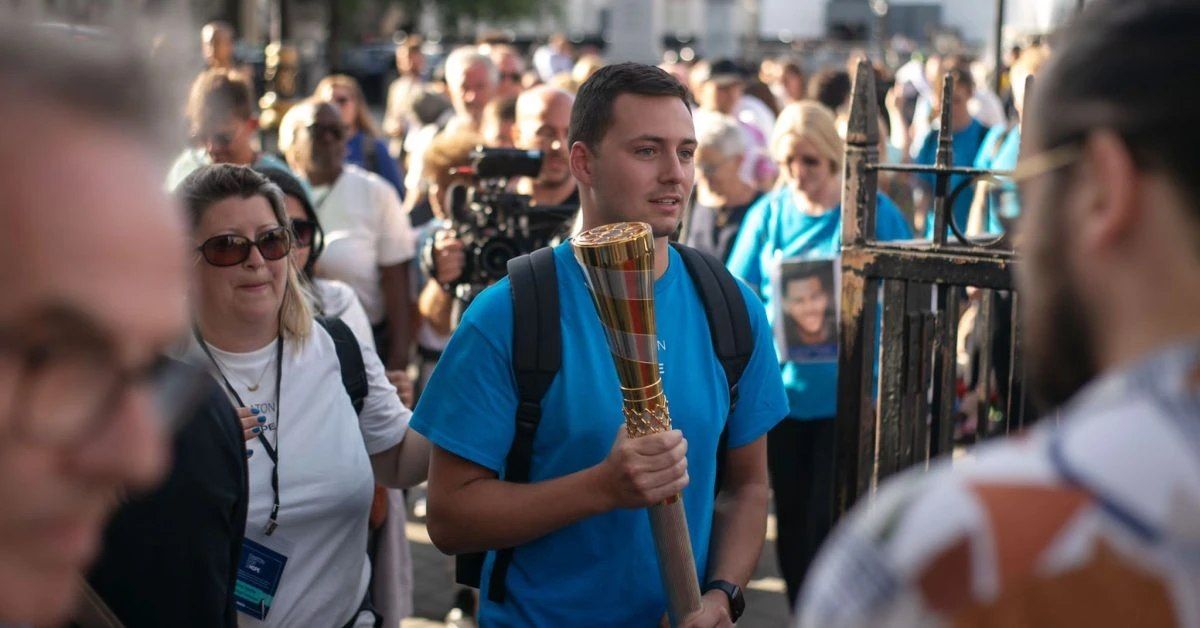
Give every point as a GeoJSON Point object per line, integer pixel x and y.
{"type": "Point", "coordinates": [737, 603]}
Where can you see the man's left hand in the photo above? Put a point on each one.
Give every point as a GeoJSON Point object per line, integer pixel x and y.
{"type": "Point", "coordinates": [713, 613]}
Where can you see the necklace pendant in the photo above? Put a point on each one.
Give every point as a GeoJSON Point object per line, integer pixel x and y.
{"type": "Point", "coordinates": [253, 388]}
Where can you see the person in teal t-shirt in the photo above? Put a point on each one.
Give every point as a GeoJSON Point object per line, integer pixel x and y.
{"type": "Point", "coordinates": [1002, 145]}
{"type": "Point", "coordinates": [584, 554]}
{"type": "Point", "coordinates": [968, 135]}
{"type": "Point", "coordinates": [802, 219]}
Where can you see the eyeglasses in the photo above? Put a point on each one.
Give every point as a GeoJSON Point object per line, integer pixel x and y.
{"type": "Point", "coordinates": [511, 76]}
{"type": "Point", "coordinates": [231, 249]}
{"type": "Point", "coordinates": [305, 231]}
{"type": "Point", "coordinates": [337, 131]}
{"type": "Point", "coordinates": [1006, 193]}
{"type": "Point", "coordinates": [63, 380]}
{"type": "Point", "coordinates": [711, 168]}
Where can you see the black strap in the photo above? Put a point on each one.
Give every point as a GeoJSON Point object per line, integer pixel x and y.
{"type": "Point", "coordinates": [349, 354]}
{"type": "Point", "coordinates": [272, 451]}
{"type": "Point", "coordinates": [536, 359]}
{"type": "Point", "coordinates": [729, 324]}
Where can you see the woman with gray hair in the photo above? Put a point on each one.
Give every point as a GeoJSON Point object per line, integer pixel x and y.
{"type": "Point", "coordinates": [801, 219]}
{"type": "Point", "coordinates": [313, 453]}
{"type": "Point", "coordinates": [722, 195]}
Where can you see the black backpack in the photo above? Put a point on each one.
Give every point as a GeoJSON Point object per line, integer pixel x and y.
{"type": "Point", "coordinates": [537, 356]}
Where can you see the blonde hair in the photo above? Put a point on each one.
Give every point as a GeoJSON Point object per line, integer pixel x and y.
{"type": "Point", "coordinates": [362, 114]}
{"type": "Point", "coordinates": [212, 184]}
{"type": "Point", "coordinates": [811, 121]}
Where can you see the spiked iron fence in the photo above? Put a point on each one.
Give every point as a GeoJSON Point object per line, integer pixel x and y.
{"type": "Point", "coordinates": [898, 401]}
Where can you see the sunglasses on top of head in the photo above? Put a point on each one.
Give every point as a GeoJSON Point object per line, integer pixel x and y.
{"type": "Point", "coordinates": [232, 249]}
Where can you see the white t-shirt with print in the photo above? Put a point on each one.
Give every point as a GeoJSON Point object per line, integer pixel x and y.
{"type": "Point", "coordinates": [325, 477]}
{"type": "Point", "coordinates": [366, 227]}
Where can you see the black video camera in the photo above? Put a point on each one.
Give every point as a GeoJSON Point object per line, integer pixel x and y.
{"type": "Point", "coordinates": [495, 225]}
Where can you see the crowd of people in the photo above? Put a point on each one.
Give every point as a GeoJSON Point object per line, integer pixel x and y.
{"type": "Point", "coordinates": [222, 433]}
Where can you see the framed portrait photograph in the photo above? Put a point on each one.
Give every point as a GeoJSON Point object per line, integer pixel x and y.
{"type": "Point", "coordinates": [806, 310]}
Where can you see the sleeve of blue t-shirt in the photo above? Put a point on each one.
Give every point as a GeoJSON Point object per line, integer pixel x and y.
{"type": "Point", "coordinates": [748, 245]}
{"type": "Point", "coordinates": [468, 407]}
{"type": "Point", "coordinates": [926, 157]}
{"type": "Point", "coordinates": [762, 402]}
{"type": "Point", "coordinates": [987, 149]}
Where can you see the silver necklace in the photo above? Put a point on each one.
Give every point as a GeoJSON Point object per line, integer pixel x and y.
{"type": "Point", "coordinates": [257, 383]}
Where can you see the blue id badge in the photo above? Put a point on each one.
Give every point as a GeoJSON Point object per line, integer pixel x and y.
{"type": "Point", "coordinates": [259, 573]}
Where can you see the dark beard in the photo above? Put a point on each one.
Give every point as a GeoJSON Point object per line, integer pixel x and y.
{"type": "Point", "coordinates": [1058, 343]}
{"type": "Point", "coordinates": [1061, 355]}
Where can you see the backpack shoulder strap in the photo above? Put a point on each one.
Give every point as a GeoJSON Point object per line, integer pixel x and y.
{"type": "Point", "coordinates": [349, 354]}
{"type": "Point", "coordinates": [729, 324]}
{"type": "Point", "coordinates": [728, 318]}
{"type": "Point", "coordinates": [536, 349]}
{"type": "Point", "coordinates": [536, 359]}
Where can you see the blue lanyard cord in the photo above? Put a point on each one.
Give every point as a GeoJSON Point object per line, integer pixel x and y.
{"type": "Point", "coordinates": [1180, 408]}
{"type": "Point", "coordinates": [272, 451]}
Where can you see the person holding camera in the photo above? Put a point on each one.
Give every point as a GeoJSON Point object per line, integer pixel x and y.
{"type": "Point", "coordinates": [446, 260]}
{"type": "Point", "coordinates": [316, 444]}
{"type": "Point", "coordinates": [543, 118]}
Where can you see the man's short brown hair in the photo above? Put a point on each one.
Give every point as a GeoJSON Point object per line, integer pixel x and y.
{"type": "Point", "coordinates": [592, 114]}
{"type": "Point", "coordinates": [217, 94]}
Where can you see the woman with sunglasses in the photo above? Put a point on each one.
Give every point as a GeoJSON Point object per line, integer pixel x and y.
{"type": "Point", "coordinates": [391, 574]}
{"type": "Point", "coordinates": [312, 461]}
{"type": "Point", "coordinates": [365, 147]}
{"type": "Point", "coordinates": [802, 218]}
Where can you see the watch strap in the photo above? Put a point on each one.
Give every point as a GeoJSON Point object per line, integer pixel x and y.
{"type": "Point", "coordinates": [737, 603]}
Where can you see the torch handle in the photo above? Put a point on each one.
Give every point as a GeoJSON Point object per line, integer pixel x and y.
{"type": "Point", "coordinates": [676, 565]}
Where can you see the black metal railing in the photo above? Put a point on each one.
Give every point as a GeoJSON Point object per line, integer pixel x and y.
{"type": "Point", "coordinates": [902, 387]}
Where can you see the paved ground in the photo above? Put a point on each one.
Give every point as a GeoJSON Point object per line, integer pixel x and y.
{"type": "Point", "coordinates": [766, 606]}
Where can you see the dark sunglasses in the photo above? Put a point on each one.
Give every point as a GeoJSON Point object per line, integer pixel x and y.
{"type": "Point", "coordinates": [511, 76]}
{"type": "Point", "coordinates": [231, 250]}
{"type": "Point", "coordinates": [304, 230]}
{"type": "Point", "coordinates": [338, 131]}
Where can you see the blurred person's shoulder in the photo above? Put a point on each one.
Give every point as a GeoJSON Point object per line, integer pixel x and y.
{"type": "Point", "coordinates": [1104, 498]}
{"type": "Point", "coordinates": [911, 550]}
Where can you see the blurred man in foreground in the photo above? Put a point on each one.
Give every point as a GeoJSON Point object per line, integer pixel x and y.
{"type": "Point", "coordinates": [1095, 520]}
{"type": "Point", "coordinates": [94, 285]}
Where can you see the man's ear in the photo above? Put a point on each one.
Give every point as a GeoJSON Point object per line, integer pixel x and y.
{"type": "Point", "coordinates": [252, 123]}
{"type": "Point", "coordinates": [581, 161]}
{"type": "Point", "coordinates": [1109, 191]}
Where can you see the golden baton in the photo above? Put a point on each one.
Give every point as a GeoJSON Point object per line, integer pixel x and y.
{"type": "Point", "coordinates": [618, 260]}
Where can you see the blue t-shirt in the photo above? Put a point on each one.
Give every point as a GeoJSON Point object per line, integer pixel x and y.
{"type": "Point", "coordinates": [775, 229]}
{"type": "Point", "coordinates": [1000, 150]}
{"type": "Point", "coordinates": [384, 165]}
{"type": "Point", "coordinates": [966, 146]}
{"type": "Point", "coordinates": [599, 571]}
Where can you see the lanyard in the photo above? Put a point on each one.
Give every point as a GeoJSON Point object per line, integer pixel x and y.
{"type": "Point", "coordinates": [272, 451]}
